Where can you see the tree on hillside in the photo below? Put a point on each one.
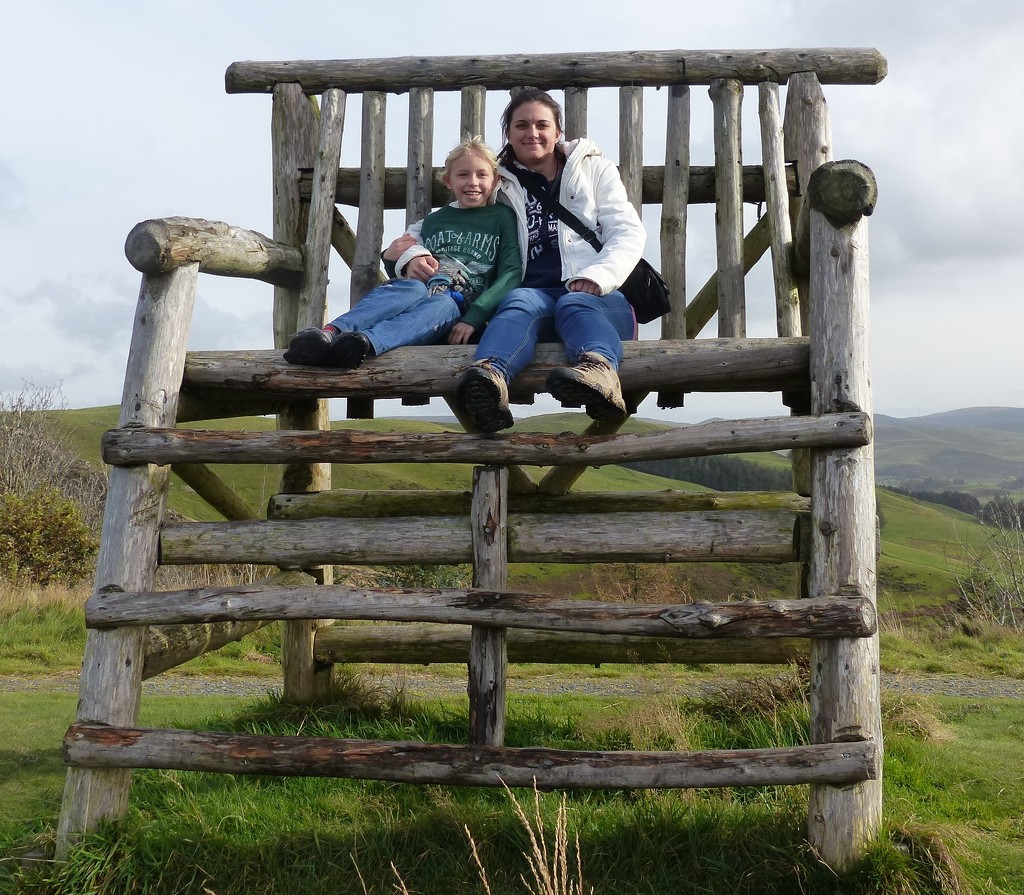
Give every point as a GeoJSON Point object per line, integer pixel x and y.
{"type": "Point", "coordinates": [990, 578]}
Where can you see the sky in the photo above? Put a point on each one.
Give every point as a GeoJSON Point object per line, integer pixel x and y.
{"type": "Point", "coordinates": [116, 112]}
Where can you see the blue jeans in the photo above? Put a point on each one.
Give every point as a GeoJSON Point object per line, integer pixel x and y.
{"type": "Point", "coordinates": [401, 312]}
{"type": "Point", "coordinates": [581, 321]}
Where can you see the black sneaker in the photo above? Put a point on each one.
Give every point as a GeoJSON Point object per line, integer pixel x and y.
{"type": "Point", "coordinates": [309, 347]}
{"type": "Point", "coordinates": [348, 351]}
{"type": "Point", "coordinates": [482, 396]}
{"type": "Point", "coordinates": [592, 383]}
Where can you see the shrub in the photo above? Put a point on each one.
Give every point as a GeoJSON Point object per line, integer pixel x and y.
{"type": "Point", "coordinates": [43, 538]}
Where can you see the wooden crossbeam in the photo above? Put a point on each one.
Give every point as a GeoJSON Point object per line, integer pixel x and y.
{"type": "Point", "coordinates": [131, 447]}
{"type": "Point", "coordinates": [821, 617]}
{"type": "Point", "coordinates": [98, 746]}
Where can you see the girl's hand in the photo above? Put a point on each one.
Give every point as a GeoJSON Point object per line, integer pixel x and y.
{"type": "Point", "coordinates": [422, 268]}
{"type": "Point", "coordinates": [394, 251]}
{"type": "Point", "coordinates": [584, 286]}
{"type": "Point", "coordinates": [461, 333]}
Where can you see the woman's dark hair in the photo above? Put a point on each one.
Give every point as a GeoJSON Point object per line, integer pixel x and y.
{"type": "Point", "coordinates": [520, 97]}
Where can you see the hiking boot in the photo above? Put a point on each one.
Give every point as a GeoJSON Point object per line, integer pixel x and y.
{"type": "Point", "coordinates": [591, 383]}
{"type": "Point", "coordinates": [483, 396]}
{"type": "Point", "coordinates": [309, 347]}
{"type": "Point", "coordinates": [348, 351]}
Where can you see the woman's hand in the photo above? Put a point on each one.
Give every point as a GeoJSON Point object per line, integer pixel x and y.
{"type": "Point", "coordinates": [394, 251]}
{"type": "Point", "coordinates": [584, 286]}
{"type": "Point", "coordinates": [461, 333]}
{"type": "Point", "coordinates": [422, 268]}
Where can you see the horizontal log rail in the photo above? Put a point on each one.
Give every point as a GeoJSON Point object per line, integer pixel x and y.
{"type": "Point", "coordinates": [832, 65]}
{"type": "Point", "coordinates": [712, 365]}
{"type": "Point", "coordinates": [133, 447]}
{"type": "Point", "coordinates": [713, 536]}
{"type": "Point", "coordinates": [701, 185]}
{"type": "Point", "coordinates": [820, 617]}
{"type": "Point", "coordinates": [100, 746]}
{"type": "Point", "coordinates": [414, 502]}
{"type": "Point", "coordinates": [159, 246]}
{"type": "Point", "coordinates": [426, 644]}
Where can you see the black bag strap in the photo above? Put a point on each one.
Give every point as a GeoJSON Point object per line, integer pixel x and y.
{"type": "Point", "coordinates": [550, 203]}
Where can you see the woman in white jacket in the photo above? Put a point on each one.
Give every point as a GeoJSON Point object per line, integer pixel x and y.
{"type": "Point", "coordinates": [569, 291]}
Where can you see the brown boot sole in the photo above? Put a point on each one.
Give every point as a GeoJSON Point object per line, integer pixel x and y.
{"type": "Point", "coordinates": [480, 398]}
{"type": "Point", "coordinates": [571, 393]}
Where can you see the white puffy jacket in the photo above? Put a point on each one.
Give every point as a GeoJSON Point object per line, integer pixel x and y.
{"type": "Point", "coordinates": [592, 190]}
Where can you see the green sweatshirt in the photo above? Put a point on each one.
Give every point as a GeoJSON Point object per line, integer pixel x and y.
{"type": "Point", "coordinates": [485, 241]}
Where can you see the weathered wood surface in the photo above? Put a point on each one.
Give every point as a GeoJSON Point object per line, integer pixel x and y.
{"type": "Point", "coordinates": [370, 225]}
{"type": "Point", "coordinates": [576, 112]}
{"type": "Point", "coordinates": [631, 143]}
{"type": "Point", "coordinates": [845, 698]}
{"type": "Point", "coordinates": [787, 296]}
{"type": "Point", "coordinates": [726, 98]}
{"type": "Point", "coordinates": [473, 104]}
{"type": "Point", "coordinates": [844, 191]}
{"type": "Point", "coordinates": [160, 245]}
{"type": "Point", "coordinates": [418, 199]}
{"type": "Point", "coordinates": [386, 504]}
{"type": "Point", "coordinates": [424, 644]}
{"type": "Point", "coordinates": [559, 479]}
{"type": "Point", "coordinates": [88, 745]}
{"type": "Point", "coordinates": [712, 536]}
{"type": "Point", "coordinates": [700, 184]}
{"type": "Point", "coordinates": [821, 617]}
{"type": "Point", "coordinates": [693, 365]}
{"type": "Point", "coordinates": [677, 194]}
{"type": "Point", "coordinates": [488, 655]}
{"type": "Point", "coordinates": [110, 686]}
{"type": "Point", "coordinates": [130, 447]}
{"type": "Point", "coordinates": [833, 65]}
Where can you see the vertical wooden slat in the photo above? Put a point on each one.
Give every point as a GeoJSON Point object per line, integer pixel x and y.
{"type": "Point", "coordinates": [575, 112]}
{"type": "Point", "coordinates": [293, 146]}
{"type": "Point", "coordinates": [474, 105]}
{"type": "Point", "coordinates": [844, 672]}
{"type": "Point", "coordinates": [726, 99]}
{"type": "Point", "coordinates": [488, 653]}
{"type": "Point", "coordinates": [421, 155]}
{"type": "Point", "coordinates": [313, 295]}
{"type": "Point", "coordinates": [110, 687]}
{"type": "Point", "coordinates": [631, 143]}
{"type": "Point", "coordinates": [787, 298]}
{"type": "Point", "coordinates": [675, 199]}
{"type": "Point", "coordinates": [370, 226]}
{"type": "Point", "coordinates": [807, 141]}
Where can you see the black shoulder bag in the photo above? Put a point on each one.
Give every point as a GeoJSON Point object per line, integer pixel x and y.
{"type": "Point", "coordinates": [644, 288]}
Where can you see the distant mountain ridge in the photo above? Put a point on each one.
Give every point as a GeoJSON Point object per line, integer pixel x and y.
{"type": "Point", "coordinates": [1005, 419]}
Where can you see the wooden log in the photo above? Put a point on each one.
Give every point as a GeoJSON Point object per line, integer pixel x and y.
{"type": "Point", "coordinates": [631, 143]}
{"type": "Point", "coordinates": [473, 107]}
{"type": "Point", "coordinates": [833, 65]}
{"type": "Point", "coordinates": [844, 191]}
{"type": "Point", "coordinates": [293, 147]}
{"type": "Point", "coordinates": [559, 479]}
{"type": "Point", "coordinates": [710, 536]}
{"type": "Point", "coordinates": [158, 246]}
{"type": "Point", "coordinates": [787, 296]}
{"type": "Point", "coordinates": [209, 486]}
{"type": "Point", "coordinates": [726, 98]}
{"type": "Point", "coordinates": [488, 657]}
{"type": "Point", "coordinates": [701, 184]}
{"type": "Point", "coordinates": [845, 698]}
{"type": "Point", "coordinates": [710, 365]}
{"type": "Point", "coordinates": [418, 199]}
{"type": "Point", "coordinates": [674, 210]}
{"type": "Point", "coordinates": [387, 504]}
{"type": "Point", "coordinates": [130, 447]}
{"type": "Point", "coordinates": [110, 686]}
{"type": "Point", "coordinates": [827, 616]}
{"type": "Point", "coordinates": [312, 310]}
{"type": "Point", "coordinates": [705, 302]}
{"type": "Point", "coordinates": [92, 745]}
{"type": "Point", "coordinates": [575, 112]}
{"type": "Point", "coordinates": [425, 644]}
{"type": "Point", "coordinates": [168, 646]}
